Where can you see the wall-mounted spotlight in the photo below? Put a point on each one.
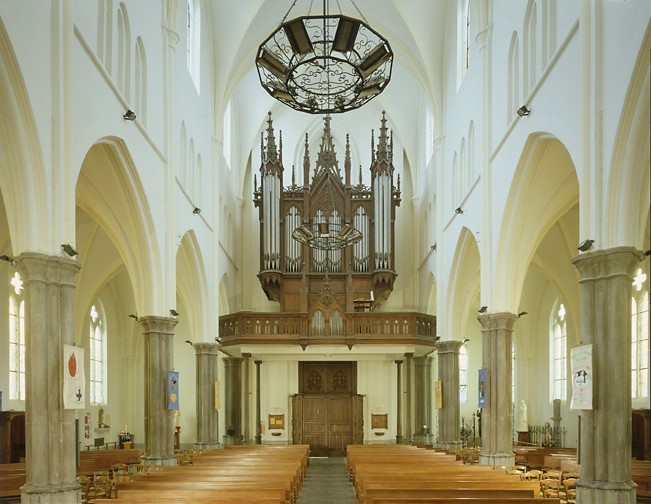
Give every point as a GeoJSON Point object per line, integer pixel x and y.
{"type": "Point", "coordinates": [189, 342]}
{"type": "Point", "coordinates": [433, 247]}
{"type": "Point", "coordinates": [647, 253]}
{"type": "Point", "coordinates": [585, 245]}
{"type": "Point", "coordinates": [436, 338]}
{"type": "Point", "coordinates": [218, 339]}
{"type": "Point", "coordinates": [483, 309]}
{"type": "Point", "coordinates": [174, 312]}
{"type": "Point", "coordinates": [465, 340]}
{"type": "Point", "coordinates": [67, 248]}
{"type": "Point", "coordinates": [458, 210]}
{"type": "Point", "coordinates": [7, 258]}
{"type": "Point", "coordinates": [196, 211]}
{"type": "Point", "coordinates": [129, 115]}
{"type": "Point", "coordinates": [133, 316]}
{"type": "Point", "coordinates": [522, 314]}
{"type": "Point", "coordinates": [523, 111]}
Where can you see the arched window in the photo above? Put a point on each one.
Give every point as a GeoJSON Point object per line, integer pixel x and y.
{"type": "Point", "coordinates": [513, 84]}
{"type": "Point", "coordinates": [97, 344]}
{"type": "Point", "coordinates": [640, 337]}
{"type": "Point", "coordinates": [16, 340]}
{"type": "Point", "coordinates": [193, 40]}
{"type": "Point", "coordinates": [140, 101]}
{"type": "Point", "coordinates": [463, 39]}
{"type": "Point", "coordinates": [463, 374]}
{"type": "Point", "coordinates": [559, 353]}
{"type": "Point", "coordinates": [228, 129]}
{"type": "Point", "coordinates": [124, 51]}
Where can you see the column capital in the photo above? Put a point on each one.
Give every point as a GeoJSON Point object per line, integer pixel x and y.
{"type": "Point", "coordinates": [246, 355]}
{"type": "Point", "coordinates": [156, 324]}
{"type": "Point", "coordinates": [497, 321]}
{"type": "Point", "coordinates": [204, 348]}
{"type": "Point", "coordinates": [448, 346]}
{"type": "Point", "coordinates": [257, 362]}
{"type": "Point", "coordinates": [36, 267]}
{"type": "Point", "coordinates": [617, 261]}
{"type": "Point", "coordinates": [399, 362]}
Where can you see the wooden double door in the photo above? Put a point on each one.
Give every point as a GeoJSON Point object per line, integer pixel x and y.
{"type": "Point", "coordinates": [327, 413]}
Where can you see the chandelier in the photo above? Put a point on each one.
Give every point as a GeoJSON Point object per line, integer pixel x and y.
{"type": "Point", "coordinates": [324, 64]}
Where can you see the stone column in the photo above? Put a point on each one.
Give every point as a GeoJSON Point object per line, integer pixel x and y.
{"type": "Point", "coordinates": [246, 407]}
{"type": "Point", "coordinates": [207, 413]}
{"type": "Point", "coordinates": [423, 400]}
{"type": "Point", "coordinates": [159, 360]}
{"type": "Point", "coordinates": [449, 414]}
{"type": "Point", "coordinates": [399, 403]}
{"type": "Point", "coordinates": [408, 399]}
{"type": "Point", "coordinates": [606, 277]}
{"type": "Point", "coordinates": [51, 444]}
{"type": "Point", "coordinates": [497, 416]}
{"type": "Point", "coordinates": [258, 420]}
{"type": "Point", "coordinates": [233, 405]}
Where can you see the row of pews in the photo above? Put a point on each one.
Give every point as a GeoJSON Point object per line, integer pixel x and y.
{"type": "Point", "coordinates": [266, 474]}
{"type": "Point", "coordinates": [565, 460]}
{"type": "Point", "coordinates": [388, 474]}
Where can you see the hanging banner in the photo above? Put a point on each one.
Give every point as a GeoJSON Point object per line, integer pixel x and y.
{"type": "Point", "coordinates": [581, 363]}
{"type": "Point", "coordinates": [74, 379]}
{"type": "Point", "coordinates": [483, 387]}
{"type": "Point", "coordinates": [172, 390]}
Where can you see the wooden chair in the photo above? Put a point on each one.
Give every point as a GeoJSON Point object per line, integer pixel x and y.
{"type": "Point", "coordinates": [534, 474]}
{"type": "Point", "coordinates": [552, 474]}
{"type": "Point", "coordinates": [513, 471]}
{"type": "Point", "coordinates": [550, 488]}
{"type": "Point", "coordinates": [569, 485]}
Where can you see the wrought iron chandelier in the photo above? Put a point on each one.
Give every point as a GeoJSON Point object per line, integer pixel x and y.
{"type": "Point", "coordinates": [324, 64]}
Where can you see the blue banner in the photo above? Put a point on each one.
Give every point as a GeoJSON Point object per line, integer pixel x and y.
{"type": "Point", "coordinates": [173, 390]}
{"type": "Point", "coordinates": [483, 387]}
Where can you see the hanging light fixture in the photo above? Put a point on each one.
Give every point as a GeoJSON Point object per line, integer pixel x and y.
{"type": "Point", "coordinates": [324, 64]}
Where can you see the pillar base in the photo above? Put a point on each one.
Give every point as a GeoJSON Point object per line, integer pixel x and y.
{"type": "Point", "coordinates": [497, 459]}
{"type": "Point", "coordinates": [155, 463]}
{"type": "Point", "coordinates": [423, 439]}
{"type": "Point", "coordinates": [206, 446]}
{"type": "Point", "coordinates": [605, 492]}
{"type": "Point", "coordinates": [449, 445]}
{"type": "Point", "coordinates": [65, 493]}
{"type": "Point", "coordinates": [233, 440]}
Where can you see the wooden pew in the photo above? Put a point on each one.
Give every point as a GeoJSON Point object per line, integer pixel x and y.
{"type": "Point", "coordinates": [102, 460]}
{"type": "Point", "coordinates": [198, 494]}
{"type": "Point", "coordinates": [215, 500]}
{"type": "Point", "coordinates": [465, 500]}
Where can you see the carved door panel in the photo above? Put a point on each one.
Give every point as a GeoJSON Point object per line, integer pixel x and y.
{"type": "Point", "coordinates": [340, 425]}
{"type": "Point", "coordinates": [358, 419]}
{"type": "Point", "coordinates": [297, 419]}
{"type": "Point", "coordinates": [315, 420]}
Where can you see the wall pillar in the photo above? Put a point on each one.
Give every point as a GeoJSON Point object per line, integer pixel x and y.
{"type": "Point", "coordinates": [423, 396]}
{"type": "Point", "coordinates": [409, 391]}
{"type": "Point", "coordinates": [246, 406]}
{"type": "Point", "coordinates": [497, 416]}
{"type": "Point", "coordinates": [399, 438]}
{"type": "Point", "coordinates": [606, 278]}
{"type": "Point", "coordinates": [51, 444]}
{"type": "Point", "coordinates": [449, 414]}
{"type": "Point", "coordinates": [258, 420]}
{"type": "Point", "coordinates": [233, 406]}
{"type": "Point", "coordinates": [158, 333]}
{"type": "Point", "coordinates": [207, 413]}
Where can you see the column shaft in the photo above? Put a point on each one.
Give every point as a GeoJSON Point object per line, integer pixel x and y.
{"type": "Point", "coordinates": [246, 406]}
{"type": "Point", "coordinates": [423, 399]}
{"type": "Point", "coordinates": [207, 413]}
{"type": "Point", "coordinates": [258, 420]}
{"type": "Point", "coordinates": [399, 438]}
{"type": "Point", "coordinates": [449, 414]}
{"type": "Point", "coordinates": [50, 429]}
{"type": "Point", "coordinates": [233, 406]}
{"type": "Point", "coordinates": [497, 416]}
{"type": "Point", "coordinates": [606, 278]}
{"type": "Point", "coordinates": [409, 391]}
{"type": "Point", "coordinates": [158, 334]}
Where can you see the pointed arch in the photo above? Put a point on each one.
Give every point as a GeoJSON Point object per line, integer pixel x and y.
{"type": "Point", "coordinates": [630, 174]}
{"type": "Point", "coordinates": [544, 187]}
{"type": "Point", "coordinates": [110, 191]}
{"type": "Point", "coordinates": [191, 285]}
{"type": "Point", "coordinates": [463, 284]}
{"type": "Point", "coordinates": [124, 51]}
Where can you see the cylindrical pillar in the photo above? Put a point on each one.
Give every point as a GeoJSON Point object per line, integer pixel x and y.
{"type": "Point", "coordinates": [606, 278]}
{"type": "Point", "coordinates": [449, 414]}
{"type": "Point", "coordinates": [246, 406]}
{"type": "Point", "coordinates": [258, 420]}
{"type": "Point", "coordinates": [207, 413]}
{"type": "Point", "coordinates": [158, 334]}
{"type": "Point", "coordinates": [409, 391]}
{"type": "Point", "coordinates": [423, 396]}
{"type": "Point", "coordinates": [51, 444]}
{"type": "Point", "coordinates": [399, 402]}
{"type": "Point", "coordinates": [497, 416]}
{"type": "Point", "coordinates": [233, 406]}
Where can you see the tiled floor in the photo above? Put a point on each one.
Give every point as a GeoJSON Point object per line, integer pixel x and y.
{"type": "Point", "coordinates": [327, 482]}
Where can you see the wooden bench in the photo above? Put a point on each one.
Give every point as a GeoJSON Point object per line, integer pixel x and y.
{"type": "Point", "coordinates": [198, 494]}
{"type": "Point", "coordinates": [465, 500]}
{"type": "Point", "coordinates": [103, 460]}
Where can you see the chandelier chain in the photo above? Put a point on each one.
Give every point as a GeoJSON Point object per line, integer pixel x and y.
{"type": "Point", "coordinates": [358, 11]}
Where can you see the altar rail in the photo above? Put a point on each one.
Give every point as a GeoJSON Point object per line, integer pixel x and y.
{"type": "Point", "coordinates": [358, 328]}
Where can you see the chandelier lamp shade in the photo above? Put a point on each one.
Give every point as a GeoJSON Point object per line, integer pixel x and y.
{"type": "Point", "coordinates": [324, 64]}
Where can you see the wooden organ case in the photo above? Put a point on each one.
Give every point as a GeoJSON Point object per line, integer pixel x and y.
{"type": "Point", "coordinates": [327, 286]}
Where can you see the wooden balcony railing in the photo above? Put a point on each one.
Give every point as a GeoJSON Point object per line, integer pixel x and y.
{"type": "Point", "coordinates": [358, 328]}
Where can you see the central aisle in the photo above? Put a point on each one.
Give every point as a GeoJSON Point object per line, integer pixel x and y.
{"type": "Point", "coordinates": [327, 482]}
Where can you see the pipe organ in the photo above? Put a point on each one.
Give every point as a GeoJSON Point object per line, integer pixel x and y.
{"type": "Point", "coordinates": [320, 274]}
